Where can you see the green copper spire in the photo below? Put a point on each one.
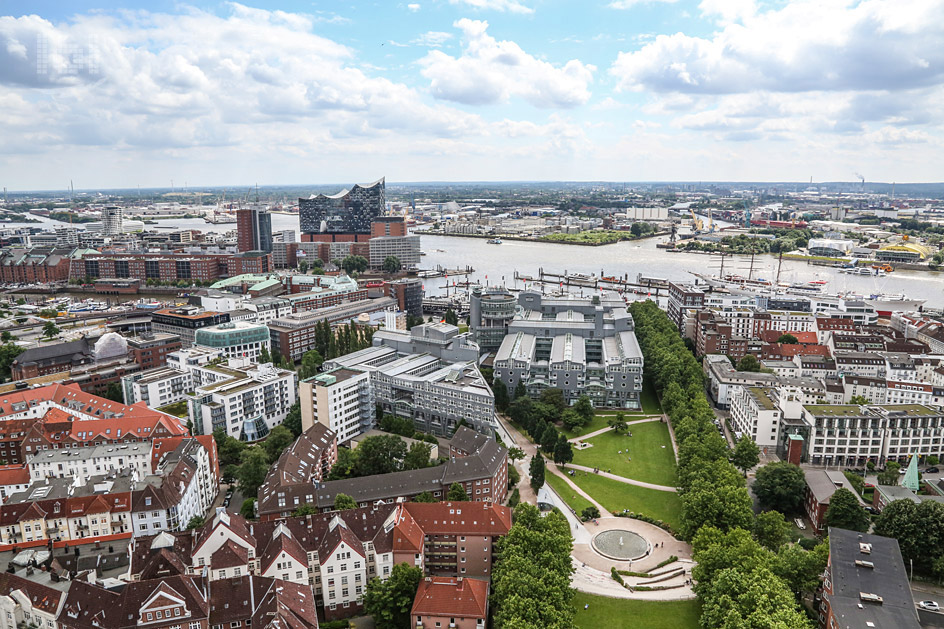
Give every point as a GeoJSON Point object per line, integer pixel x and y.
{"type": "Point", "coordinates": [911, 476]}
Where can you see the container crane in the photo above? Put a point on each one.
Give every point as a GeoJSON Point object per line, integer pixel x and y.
{"type": "Point", "coordinates": [697, 224]}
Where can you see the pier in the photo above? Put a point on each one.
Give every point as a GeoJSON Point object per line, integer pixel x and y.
{"type": "Point", "coordinates": [439, 271]}
{"type": "Point", "coordinates": [622, 284]}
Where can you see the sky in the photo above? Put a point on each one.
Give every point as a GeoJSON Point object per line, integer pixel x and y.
{"type": "Point", "coordinates": [129, 94]}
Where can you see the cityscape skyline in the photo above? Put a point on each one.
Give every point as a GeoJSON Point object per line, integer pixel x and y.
{"type": "Point", "coordinates": [510, 90]}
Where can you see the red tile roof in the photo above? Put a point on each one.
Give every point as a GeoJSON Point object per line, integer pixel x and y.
{"type": "Point", "coordinates": [14, 475]}
{"type": "Point", "coordinates": [471, 518]}
{"type": "Point", "coordinates": [453, 597]}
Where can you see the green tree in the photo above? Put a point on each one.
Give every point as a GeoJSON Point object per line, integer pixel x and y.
{"type": "Point", "coordinates": [457, 493]}
{"type": "Point", "coordinates": [50, 330]}
{"type": "Point", "coordinates": [589, 513]}
{"type": "Point", "coordinates": [6, 336]}
{"type": "Point", "coordinates": [745, 454]}
{"type": "Point", "coordinates": [919, 529]}
{"type": "Point", "coordinates": [381, 454]}
{"type": "Point", "coordinates": [723, 507]}
{"type": "Point", "coordinates": [264, 355]}
{"type": "Point", "coordinates": [228, 448]}
{"type": "Point", "coordinates": [501, 395]}
{"type": "Point", "coordinates": [890, 475]}
{"type": "Point", "coordinates": [354, 264]}
{"type": "Point", "coordinates": [248, 509]}
{"type": "Point", "coordinates": [418, 456]}
{"type": "Point", "coordinates": [563, 452]}
{"type": "Point", "coordinates": [305, 509]}
{"type": "Point", "coordinates": [303, 266]}
{"type": "Point", "coordinates": [749, 363]}
{"type": "Point", "coordinates": [451, 317]}
{"type": "Point", "coordinates": [584, 408]}
{"type": "Point", "coordinates": [787, 339]}
{"type": "Point", "coordinates": [293, 420]}
{"type": "Point", "coordinates": [531, 579]}
{"type": "Point", "coordinates": [402, 426]}
{"type": "Point", "coordinates": [780, 486]}
{"type": "Point", "coordinates": [311, 363]}
{"type": "Point", "coordinates": [801, 569]}
{"type": "Point", "coordinates": [344, 466]}
{"type": "Point", "coordinates": [253, 467]}
{"type": "Point", "coordinates": [389, 602]}
{"type": "Point", "coordinates": [515, 454]}
{"type": "Point", "coordinates": [861, 400]}
{"type": "Point", "coordinates": [520, 390]}
{"type": "Point", "coordinates": [536, 469]}
{"type": "Point", "coordinates": [845, 512]}
{"type": "Point", "coordinates": [771, 530]}
{"type": "Point", "coordinates": [513, 476]}
{"type": "Point", "coordinates": [618, 423]}
{"type": "Point", "coordinates": [343, 502]}
{"type": "Point", "coordinates": [857, 482]}
{"type": "Point", "coordinates": [425, 497]}
{"type": "Point", "coordinates": [195, 523]}
{"type": "Point", "coordinates": [549, 439]}
{"type": "Point", "coordinates": [514, 498]}
{"type": "Point", "coordinates": [391, 264]}
{"type": "Point", "coordinates": [554, 397]}
{"type": "Point", "coordinates": [279, 439]}
{"type": "Point", "coordinates": [113, 392]}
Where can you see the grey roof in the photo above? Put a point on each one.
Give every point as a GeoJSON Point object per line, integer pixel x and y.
{"type": "Point", "coordinates": [824, 483]}
{"type": "Point", "coordinates": [42, 353]}
{"type": "Point", "coordinates": [517, 346]}
{"type": "Point", "coordinates": [91, 452]}
{"type": "Point", "coordinates": [886, 578]}
{"type": "Point", "coordinates": [897, 492]}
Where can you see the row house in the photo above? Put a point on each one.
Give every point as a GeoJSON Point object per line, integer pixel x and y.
{"type": "Point", "coordinates": [782, 321]}
{"type": "Point", "coordinates": [291, 481]}
{"type": "Point", "coordinates": [26, 603]}
{"type": "Point", "coordinates": [173, 602]}
{"type": "Point", "coordinates": [867, 364]}
{"type": "Point", "coordinates": [36, 265]}
{"type": "Point", "coordinates": [335, 554]}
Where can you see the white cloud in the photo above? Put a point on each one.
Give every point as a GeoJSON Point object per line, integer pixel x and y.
{"type": "Point", "coordinates": [803, 46]}
{"type": "Point", "coordinates": [489, 71]}
{"type": "Point", "coordinates": [432, 39]}
{"type": "Point", "coordinates": [413, 7]}
{"type": "Point", "coordinates": [629, 4]}
{"type": "Point", "coordinates": [727, 11]}
{"type": "Point", "coordinates": [511, 6]}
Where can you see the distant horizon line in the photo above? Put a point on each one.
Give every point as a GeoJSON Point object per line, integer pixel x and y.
{"type": "Point", "coordinates": [235, 188]}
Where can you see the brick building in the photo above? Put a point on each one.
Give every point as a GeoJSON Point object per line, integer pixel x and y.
{"type": "Point", "coordinates": [151, 350]}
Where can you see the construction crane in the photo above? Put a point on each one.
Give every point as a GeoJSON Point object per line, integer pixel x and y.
{"type": "Point", "coordinates": [747, 214]}
{"type": "Point", "coordinates": [711, 222]}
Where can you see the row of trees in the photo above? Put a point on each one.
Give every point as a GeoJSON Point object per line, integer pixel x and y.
{"type": "Point", "coordinates": [531, 580]}
{"type": "Point", "coordinates": [746, 574]}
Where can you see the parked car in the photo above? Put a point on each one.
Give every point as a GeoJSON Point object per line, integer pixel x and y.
{"type": "Point", "coordinates": [872, 510]}
{"type": "Point", "coordinates": [800, 524]}
{"type": "Point", "coordinates": [932, 470]}
{"type": "Point", "coordinates": [931, 606]}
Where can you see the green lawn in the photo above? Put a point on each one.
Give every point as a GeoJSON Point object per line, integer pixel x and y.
{"type": "Point", "coordinates": [651, 462]}
{"type": "Point", "coordinates": [619, 613]}
{"type": "Point", "coordinates": [616, 496]}
{"type": "Point", "coordinates": [577, 502]}
{"type": "Point", "coordinates": [648, 398]}
{"type": "Point", "coordinates": [177, 409]}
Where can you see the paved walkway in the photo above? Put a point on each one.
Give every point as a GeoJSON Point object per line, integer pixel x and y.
{"type": "Point", "coordinates": [608, 429]}
{"type": "Point", "coordinates": [623, 479]}
{"type": "Point", "coordinates": [592, 570]}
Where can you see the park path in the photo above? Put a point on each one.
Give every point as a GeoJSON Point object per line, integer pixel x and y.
{"type": "Point", "coordinates": [623, 479]}
{"type": "Point", "coordinates": [609, 428]}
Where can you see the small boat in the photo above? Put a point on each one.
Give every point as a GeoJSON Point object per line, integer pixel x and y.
{"type": "Point", "coordinates": [494, 241]}
{"type": "Point", "coordinates": [148, 304]}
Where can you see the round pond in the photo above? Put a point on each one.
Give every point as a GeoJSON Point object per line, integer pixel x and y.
{"type": "Point", "coordinates": [622, 545]}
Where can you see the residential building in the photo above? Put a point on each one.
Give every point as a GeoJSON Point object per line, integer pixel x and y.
{"type": "Point", "coordinates": [389, 237]}
{"type": "Point", "coordinates": [865, 584]}
{"type": "Point", "coordinates": [244, 401]}
{"type": "Point", "coordinates": [112, 220]}
{"type": "Point", "coordinates": [156, 387]}
{"type": "Point", "coordinates": [820, 487]}
{"type": "Point", "coordinates": [167, 267]}
{"type": "Point", "coordinates": [34, 265]}
{"type": "Point", "coordinates": [580, 346]}
{"type": "Point", "coordinates": [151, 350]}
{"type": "Point", "coordinates": [253, 229]}
{"type": "Point", "coordinates": [476, 461]}
{"type": "Point", "coordinates": [25, 603]}
{"type": "Point", "coordinates": [754, 413]}
{"type": "Point", "coordinates": [291, 480]}
{"type": "Point", "coordinates": [334, 554]}
{"type": "Point", "coordinates": [450, 602]}
{"type": "Point", "coordinates": [88, 461]}
{"type": "Point", "coordinates": [235, 339]}
{"type": "Point", "coordinates": [294, 335]}
{"type": "Point", "coordinates": [52, 358]}
{"type": "Point", "coordinates": [185, 321]}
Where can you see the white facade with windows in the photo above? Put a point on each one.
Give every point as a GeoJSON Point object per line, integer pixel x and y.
{"type": "Point", "coordinates": [755, 413]}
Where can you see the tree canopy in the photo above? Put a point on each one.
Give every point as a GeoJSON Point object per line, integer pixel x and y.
{"type": "Point", "coordinates": [390, 601]}
{"type": "Point", "coordinates": [780, 485]}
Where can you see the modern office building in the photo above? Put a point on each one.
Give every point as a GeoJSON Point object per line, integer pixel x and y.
{"type": "Point", "coordinates": [185, 321]}
{"type": "Point", "coordinates": [389, 237]}
{"type": "Point", "coordinates": [408, 292]}
{"type": "Point", "coordinates": [349, 211]}
{"type": "Point", "coordinates": [849, 434]}
{"type": "Point", "coordinates": [244, 401]}
{"type": "Point", "coordinates": [151, 350]}
{"type": "Point", "coordinates": [112, 218]}
{"type": "Point", "coordinates": [582, 346]}
{"type": "Point", "coordinates": [253, 229]}
{"type": "Point", "coordinates": [490, 313]}
{"type": "Point", "coordinates": [235, 339]}
{"type": "Point", "coordinates": [428, 375]}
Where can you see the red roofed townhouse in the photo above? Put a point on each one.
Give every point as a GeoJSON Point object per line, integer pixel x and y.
{"type": "Point", "coordinates": [450, 602]}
